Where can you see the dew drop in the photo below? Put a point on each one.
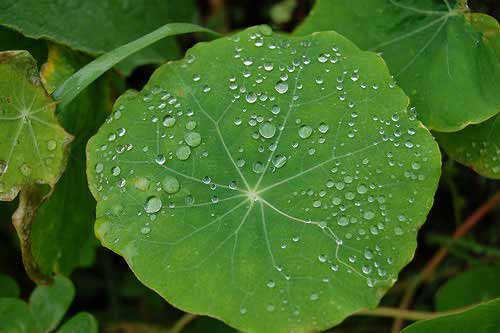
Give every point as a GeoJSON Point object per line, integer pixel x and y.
{"type": "Point", "coordinates": [183, 152]}
{"type": "Point", "coordinates": [170, 184]}
{"type": "Point", "coordinates": [281, 87]}
{"type": "Point", "coordinates": [193, 139]}
{"type": "Point", "coordinates": [305, 131]}
{"type": "Point", "coordinates": [267, 130]}
{"type": "Point", "coordinates": [152, 205]}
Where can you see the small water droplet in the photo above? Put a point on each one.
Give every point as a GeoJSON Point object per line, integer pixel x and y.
{"type": "Point", "coordinates": [152, 205]}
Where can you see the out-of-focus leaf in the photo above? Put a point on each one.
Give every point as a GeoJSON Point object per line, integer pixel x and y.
{"type": "Point", "coordinates": [62, 234]}
{"type": "Point", "coordinates": [474, 286]}
{"type": "Point", "coordinates": [482, 318]}
{"type": "Point", "coordinates": [477, 146]}
{"type": "Point", "coordinates": [8, 286]}
{"type": "Point", "coordinates": [276, 183]}
{"type": "Point", "coordinates": [83, 322]}
{"type": "Point", "coordinates": [16, 317]}
{"type": "Point", "coordinates": [446, 59]}
{"type": "Point", "coordinates": [98, 26]}
{"type": "Point", "coordinates": [49, 303]}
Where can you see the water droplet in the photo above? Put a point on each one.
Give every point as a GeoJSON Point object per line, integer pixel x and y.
{"type": "Point", "coordinates": [279, 160]}
{"type": "Point", "coordinates": [323, 128]}
{"type": "Point", "coordinates": [168, 121]}
{"type": "Point", "coordinates": [51, 145]}
{"type": "Point", "coordinates": [258, 167]}
{"type": "Point", "coordinates": [183, 153]}
{"type": "Point", "coordinates": [193, 139]}
{"type": "Point", "coordinates": [271, 284]}
{"type": "Point", "coordinates": [99, 167]}
{"type": "Point", "coordinates": [281, 87]}
{"type": "Point", "coordinates": [25, 169]}
{"type": "Point", "coordinates": [170, 184]}
{"type": "Point", "coordinates": [305, 131]}
{"type": "Point", "coordinates": [115, 171]}
{"type": "Point", "coordinates": [145, 230]}
{"type": "Point", "coordinates": [152, 205]}
{"type": "Point", "coordinates": [251, 97]}
{"type": "Point", "coordinates": [267, 130]}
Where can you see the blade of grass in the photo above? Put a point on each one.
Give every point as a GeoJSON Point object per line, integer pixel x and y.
{"type": "Point", "coordinates": [67, 91]}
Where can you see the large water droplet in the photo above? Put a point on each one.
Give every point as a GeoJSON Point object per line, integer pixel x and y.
{"type": "Point", "coordinates": [170, 184]}
{"type": "Point", "coordinates": [193, 139]}
{"type": "Point", "coordinates": [183, 153]}
{"type": "Point", "coordinates": [267, 130]}
{"type": "Point", "coordinates": [281, 87]}
{"type": "Point", "coordinates": [152, 205]}
{"type": "Point", "coordinates": [305, 131]}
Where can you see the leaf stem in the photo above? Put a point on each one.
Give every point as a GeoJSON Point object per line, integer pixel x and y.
{"type": "Point", "coordinates": [428, 270]}
{"type": "Point", "coordinates": [182, 322]}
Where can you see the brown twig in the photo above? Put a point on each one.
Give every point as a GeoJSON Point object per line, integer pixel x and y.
{"type": "Point", "coordinates": [428, 270]}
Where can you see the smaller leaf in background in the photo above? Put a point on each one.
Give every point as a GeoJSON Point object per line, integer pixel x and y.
{"type": "Point", "coordinates": [476, 146]}
{"type": "Point", "coordinates": [33, 147]}
{"type": "Point", "coordinates": [482, 318]}
{"type": "Point", "coordinates": [446, 59]}
{"type": "Point", "coordinates": [8, 286]}
{"type": "Point", "coordinates": [16, 317]}
{"type": "Point", "coordinates": [82, 322]}
{"type": "Point", "coordinates": [474, 286]}
{"type": "Point", "coordinates": [98, 26]}
{"type": "Point", "coordinates": [49, 303]}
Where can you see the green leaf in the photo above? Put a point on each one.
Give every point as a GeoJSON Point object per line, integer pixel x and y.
{"type": "Point", "coordinates": [32, 144]}
{"type": "Point", "coordinates": [16, 317]}
{"type": "Point", "coordinates": [474, 286]}
{"type": "Point", "coordinates": [479, 319]}
{"type": "Point", "coordinates": [477, 146]}
{"type": "Point", "coordinates": [83, 322]}
{"type": "Point", "coordinates": [11, 40]}
{"type": "Point", "coordinates": [96, 26]}
{"type": "Point", "coordinates": [85, 76]}
{"type": "Point", "coordinates": [447, 60]}
{"type": "Point", "coordinates": [8, 286]}
{"type": "Point", "coordinates": [62, 235]}
{"type": "Point", "coordinates": [275, 183]}
{"type": "Point", "coordinates": [49, 303]}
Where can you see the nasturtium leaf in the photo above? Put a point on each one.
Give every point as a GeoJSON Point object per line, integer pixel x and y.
{"type": "Point", "coordinates": [83, 322]}
{"type": "Point", "coordinates": [49, 303]}
{"type": "Point", "coordinates": [275, 183]}
{"type": "Point", "coordinates": [98, 26]}
{"type": "Point", "coordinates": [477, 146]}
{"type": "Point", "coordinates": [62, 232]}
{"type": "Point", "coordinates": [446, 59]}
{"type": "Point", "coordinates": [482, 318]}
{"type": "Point", "coordinates": [16, 316]}
{"type": "Point", "coordinates": [32, 144]}
{"type": "Point", "coordinates": [474, 286]}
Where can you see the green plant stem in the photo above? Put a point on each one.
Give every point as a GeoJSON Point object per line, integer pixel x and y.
{"type": "Point", "coordinates": [428, 270]}
{"type": "Point", "coordinates": [182, 322]}
{"type": "Point", "coordinates": [67, 91]}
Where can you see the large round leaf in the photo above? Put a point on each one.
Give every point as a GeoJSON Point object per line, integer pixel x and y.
{"type": "Point", "coordinates": [446, 59]}
{"type": "Point", "coordinates": [276, 183]}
